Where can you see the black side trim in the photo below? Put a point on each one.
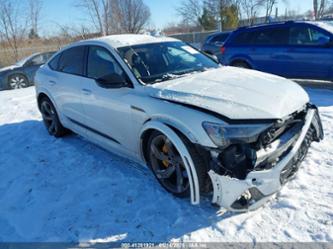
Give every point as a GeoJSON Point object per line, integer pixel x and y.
{"type": "Point", "coordinates": [94, 131]}
{"type": "Point", "coordinates": [137, 109]}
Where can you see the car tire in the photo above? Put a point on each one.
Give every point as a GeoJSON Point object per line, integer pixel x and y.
{"type": "Point", "coordinates": [51, 119]}
{"type": "Point", "coordinates": [17, 81]}
{"type": "Point", "coordinates": [241, 64]}
{"type": "Point", "coordinates": [162, 168]}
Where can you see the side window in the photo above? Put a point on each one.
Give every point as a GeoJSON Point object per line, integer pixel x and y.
{"type": "Point", "coordinates": [37, 60]}
{"type": "Point", "coordinates": [261, 37]}
{"type": "Point", "coordinates": [46, 57]}
{"type": "Point", "coordinates": [53, 64]}
{"type": "Point", "coordinates": [272, 36]}
{"type": "Point", "coordinates": [307, 36]}
{"type": "Point", "coordinates": [243, 38]}
{"type": "Point", "coordinates": [268, 36]}
{"type": "Point", "coordinates": [219, 38]}
{"type": "Point", "coordinates": [72, 61]}
{"type": "Point", "coordinates": [102, 63]}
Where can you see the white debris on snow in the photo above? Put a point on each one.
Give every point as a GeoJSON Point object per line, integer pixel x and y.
{"type": "Point", "coordinates": [70, 190]}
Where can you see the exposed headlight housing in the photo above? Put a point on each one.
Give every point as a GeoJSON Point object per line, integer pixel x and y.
{"type": "Point", "coordinates": [225, 134]}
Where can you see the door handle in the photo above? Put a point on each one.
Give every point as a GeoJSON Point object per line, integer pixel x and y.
{"type": "Point", "coordinates": [52, 82]}
{"type": "Point", "coordinates": [86, 92]}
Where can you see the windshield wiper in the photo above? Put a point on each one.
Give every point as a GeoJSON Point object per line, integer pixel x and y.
{"type": "Point", "coordinates": [191, 71]}
{"type": "Point", "coordinates": [176, 75]}
{"type": "Point", "coordinates": [166, 77]}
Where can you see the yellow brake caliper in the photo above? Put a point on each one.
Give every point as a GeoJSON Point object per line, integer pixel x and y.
{"type": "Point", "coordinates": [165, 151]}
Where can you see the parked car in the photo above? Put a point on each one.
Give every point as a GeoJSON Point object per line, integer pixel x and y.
{"type": "Point", "coordinates": [299, 50]}
{"type": "Point", "coordinates": [214, 42]}
{"type": "Point", "coordinates": [195, 123]}
{"type": "Point", "coordinates": [23, 72]}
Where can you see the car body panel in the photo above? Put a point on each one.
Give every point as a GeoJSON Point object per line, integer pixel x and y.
{"type": "Point", "coordinates": [237, 94]}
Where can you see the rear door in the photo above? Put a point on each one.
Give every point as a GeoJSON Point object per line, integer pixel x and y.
{"type": "Point", "coordinates": [66, 82]}
{"type": "Point", "coordinates": [308, 54]}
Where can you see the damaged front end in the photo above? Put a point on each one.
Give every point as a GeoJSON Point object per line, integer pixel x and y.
{"type": "Point", "coordinates": [246, 173]}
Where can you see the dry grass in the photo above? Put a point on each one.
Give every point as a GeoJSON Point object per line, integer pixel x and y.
{"type": "Point", "coordinates": [28, 47]}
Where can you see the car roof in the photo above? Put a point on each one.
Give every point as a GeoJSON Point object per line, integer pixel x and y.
{"type": "Point", "coordinates": [276, 24]}
{"type": "Point", "coordinates": [117, 41]}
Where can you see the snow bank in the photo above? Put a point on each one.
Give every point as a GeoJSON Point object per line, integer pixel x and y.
{"type": "Point", "coordinates": [70, 190]}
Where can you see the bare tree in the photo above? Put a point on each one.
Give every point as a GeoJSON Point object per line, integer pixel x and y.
{"type": "Point", "coordinates": [129, 16]}
{"type": "Point", "coordinates": [269, 5]}
{"type": "Point", "coordinates": [251, 8]}
{"type": "Point", "coordinates": [191, 11]}
{"type": "Point", "coordinates": [12, 26]}
{"type": "Point", "coordinates": [99, 12]}
{"type": "Point", "coordinates": [35, 7]}
{"type": "Point", "coordinates": [319, 9]}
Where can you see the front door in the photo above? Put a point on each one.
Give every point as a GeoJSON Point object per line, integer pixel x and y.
{"type": "Point", "coordinates": [107, 109]}
{"type": "Point", "coordinates": [308, 53]}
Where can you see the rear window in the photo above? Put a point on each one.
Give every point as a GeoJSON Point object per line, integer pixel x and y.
{"type": "Point", "coordinates": [219, 38]}
{"type": "Point", "coordinates": [272, 36]}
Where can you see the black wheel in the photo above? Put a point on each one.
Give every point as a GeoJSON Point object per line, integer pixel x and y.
{"type": "Point", "coordinates": [17, 81]}
{"type": "Point", "coordinates": [51, 119]}
{"type": "Point", "coordinates": [168, 166]}
{"type": "Point", "coordinates": [241, 64]}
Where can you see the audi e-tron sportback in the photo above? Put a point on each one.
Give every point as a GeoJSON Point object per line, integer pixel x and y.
{"type": "Point", "coordinates": [201, 127]}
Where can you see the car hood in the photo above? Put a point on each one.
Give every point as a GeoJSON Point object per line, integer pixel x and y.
{"type": "Point", "coordinates": [8, 68]}
{"type": "Point", "coordinates": [235, 93]}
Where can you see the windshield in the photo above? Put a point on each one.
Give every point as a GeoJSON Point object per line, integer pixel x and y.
{"type": "Point", "coordinates": [23, 61]}
{"type": "Point", "coordinates": [157, 62]}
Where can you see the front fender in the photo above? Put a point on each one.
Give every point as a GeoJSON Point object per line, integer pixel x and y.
{"type": "Point", "coordinates": [180, 146]}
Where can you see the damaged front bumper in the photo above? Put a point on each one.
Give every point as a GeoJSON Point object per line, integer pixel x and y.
{"type": "Point", "coordinates": [259, 185]}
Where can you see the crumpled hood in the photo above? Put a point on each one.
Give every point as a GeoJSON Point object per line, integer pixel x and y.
{"type": "Point", "coordinates": [8, 68]}
{"type": "Point", "coordinates": [235, 93]}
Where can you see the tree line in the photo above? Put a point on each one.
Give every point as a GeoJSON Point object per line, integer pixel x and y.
{"type": "Point", "coordinates": [20, 20]}
{"type": "Point", "coordinates": [226, 14]}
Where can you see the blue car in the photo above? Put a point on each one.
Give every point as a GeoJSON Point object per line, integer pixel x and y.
{"type": "Point", "coordinates": [297, 50]}
{"type": "Point", "coordinates": [214, 42]}
{"type": "Point", "coordinates": [22, 74]}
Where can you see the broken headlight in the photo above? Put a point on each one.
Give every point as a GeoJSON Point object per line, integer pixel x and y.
{"type": "Point", "coordinates": [225, 134]}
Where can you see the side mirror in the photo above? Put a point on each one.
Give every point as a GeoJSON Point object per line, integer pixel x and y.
{"type": "Point", "coordinates": [112, 81]}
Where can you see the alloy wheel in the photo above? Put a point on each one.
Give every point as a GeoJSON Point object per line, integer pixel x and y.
{"type": "Point", "coordinates": [49, 117]}
{"type": "Point", "coordinates": [168, 165]}
{"type": "Point", "coordinates": [17, 82]}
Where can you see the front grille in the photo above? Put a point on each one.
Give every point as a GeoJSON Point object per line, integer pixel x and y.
{"type": "Point", "coordinates": [292, 167]}
{"type": "Point", "coordinates": [280, 128]}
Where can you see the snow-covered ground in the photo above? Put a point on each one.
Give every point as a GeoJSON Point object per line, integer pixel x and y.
{"type": "Point", "coordinates": [71, 190]}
